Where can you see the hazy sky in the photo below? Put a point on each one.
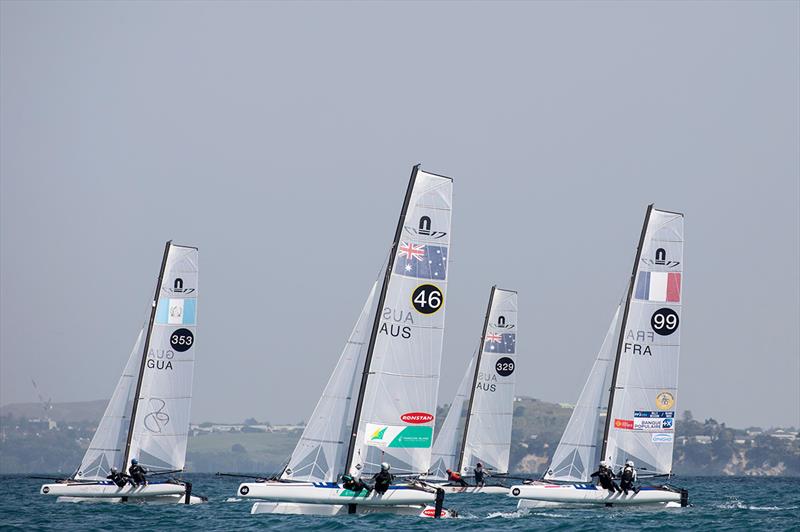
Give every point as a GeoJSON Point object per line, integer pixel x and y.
{"type": "Point", "coordinates": [278, 137]}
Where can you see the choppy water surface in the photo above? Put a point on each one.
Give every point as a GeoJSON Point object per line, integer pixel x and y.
{"type": "Point", "coordinates": [718, 504]}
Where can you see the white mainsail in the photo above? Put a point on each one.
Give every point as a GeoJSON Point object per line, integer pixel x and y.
{"type": "Point", "coordinates": [320, 453]}
{"type": "Point", "coordinates": [641, 421]}
{"type": "Point", "coordinates": [398, 403]}
{"type": "Point", "coordinates": [163, 379]}
{"type": "Point", "coordinates": [447, 446]}
{"type": "Point", "coordinates": [577, 453]}
{"type": "Point", "coordinates": [161, 425]}
{"type": "Point", "coordinates": [487, 436]}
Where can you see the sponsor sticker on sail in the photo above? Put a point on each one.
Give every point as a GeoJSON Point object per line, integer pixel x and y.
{"type": "Point", "coordinates": [398, 436]}
{"type": "Point", "coordinates": [662, 437]}
{"type": "Point", "coordinates": [626, 424]}
{"type": "Point", "coordinates": [416, 418]}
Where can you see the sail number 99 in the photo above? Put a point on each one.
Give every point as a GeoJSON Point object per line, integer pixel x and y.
{"type": "Point", "coordinates": [427, 299]}
{"type": "Point", "coordinates": [664, 321]}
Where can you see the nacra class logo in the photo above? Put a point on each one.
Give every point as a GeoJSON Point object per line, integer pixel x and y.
{"type": "Point", "coordinates": [416, 418]}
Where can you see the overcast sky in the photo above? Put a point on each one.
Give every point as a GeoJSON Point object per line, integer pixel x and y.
{"type": "Point", "coordinates": [279, 137]}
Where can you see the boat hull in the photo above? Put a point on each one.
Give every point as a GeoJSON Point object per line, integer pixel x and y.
{"type": "Point", "coordinates": [101, 490]}
{"type": "Point", "coordinates": [339, 509]}
{"type": "Point", "coordinates": [542, 494]}
{"type": "Point", "coordinates": [328, 493]}
{"type": "Point", "coordinates": [473, 489]}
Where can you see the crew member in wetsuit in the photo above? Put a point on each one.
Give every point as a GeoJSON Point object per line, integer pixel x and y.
{"type": "Point", "coordinates": [605, 475]}
{"type": "Point", "coordinates": [627, 476]}
{"type": "Point", "coordinates": [383, 479]}
{"type": "Point", "coordinates": [118, 478]}
{"type": "Point", "coordinates": [354, 484]}
{"type": "Point", "coordinates": [455, 478]}
{"type": "Point", "coordinates": [480, 475]}
{"type": "Point", "coordinates": [137, 473]}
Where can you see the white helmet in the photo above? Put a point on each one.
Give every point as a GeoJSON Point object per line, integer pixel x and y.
{"type": "Point", "coordinates": [385, 466]}
{"type": "Point", "coordinates": [604, 463]}
{"type": "Point", "coordinates": [629, 463]}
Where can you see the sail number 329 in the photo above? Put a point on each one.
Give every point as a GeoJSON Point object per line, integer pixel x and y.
{"type": "Point", "coordinates": [427, 299]}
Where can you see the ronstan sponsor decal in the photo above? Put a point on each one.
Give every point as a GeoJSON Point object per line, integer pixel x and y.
{"type": "Point", "coordinates": [417, 417]}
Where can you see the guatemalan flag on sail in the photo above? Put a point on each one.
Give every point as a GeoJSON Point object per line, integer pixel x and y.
{"type": "Point", "coordinates": [176, 311]}
{"type": "Point", "coordinates": [500, 343]}
{"type": "Point", "coordinates": [422, 261]}
{"type": "Point", "coordinates": [659, 286]}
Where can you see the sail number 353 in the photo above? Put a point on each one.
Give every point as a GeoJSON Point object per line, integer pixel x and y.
{"type": "Point", "coordinates": [427, 299]}
{"type": "Point", "coordinates": [181, 339]}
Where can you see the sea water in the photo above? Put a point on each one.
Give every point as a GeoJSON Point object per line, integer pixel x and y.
{"type": "Point", "coordinates": [720, 503]}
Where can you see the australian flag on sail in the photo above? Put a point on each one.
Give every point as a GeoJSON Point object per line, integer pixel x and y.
{"type": "Point", "coordinates": [500, 343]}
{"type": "Point", "coordinates": [422, 261]}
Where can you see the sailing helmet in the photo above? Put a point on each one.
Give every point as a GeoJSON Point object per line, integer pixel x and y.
{"type": "Point", "coordinates": [347, 478]}
{"type": "Point", "coordinates": [134, 461]}
{"type": "Point", "coordinates": [113, 470]}
{"type": "Point", "coordinates": [385, 466]}
{"type": "Point", "coordinates": [447, 471]}
{"type": "Point", "coordinates": [603, 463]}
{"type": "Point", "coordinates": [629, 463]}
{"type": "Point", "coordinates": [479, 464]}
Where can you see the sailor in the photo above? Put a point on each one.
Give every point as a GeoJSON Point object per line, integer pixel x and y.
{"type": "Point", "coordinates": [118, 478]}
{"type": "Point", "coordinates": [354, 484]}
{"type": "Point", "coordinates": [605, 475]}
{"type": "Point", "coordinates": [480, 475]}
{"type": "Point", "coordinates": [383, 479]}
{"type": "Point", "coordinates": [455, 478]}
{"type": "Point", "coordinates": [627, 477]}
{"type": "Point", "coordinates": [137, 473]}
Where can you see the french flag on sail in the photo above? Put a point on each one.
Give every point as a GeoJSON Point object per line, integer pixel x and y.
{"type": "Point", "coordinates": [659, 286]}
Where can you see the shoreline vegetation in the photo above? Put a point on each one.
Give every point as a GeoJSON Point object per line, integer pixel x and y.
{"type": "Point", "coordinates": [34, 439]}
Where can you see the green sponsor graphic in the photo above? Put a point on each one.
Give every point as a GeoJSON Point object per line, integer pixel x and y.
{"type": "Point", "coordinates": [351, 493]}
{"type": "Point", "coordinates": [378, 435]}
{"type": "Point", "coordinates": [419, 437]}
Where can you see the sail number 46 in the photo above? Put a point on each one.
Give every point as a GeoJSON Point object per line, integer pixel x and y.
{"type": "Point", "coordinates": [427, 299]}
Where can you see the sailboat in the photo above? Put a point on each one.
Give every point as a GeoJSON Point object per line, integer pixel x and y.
{"type": "Point", "coordinates": [379, 404]}
{"type": "Point", "coordinates": [148, 415]}
{"type": "Point", "coordinates": [477, 428]}
{"type": "Point", "coordinates": [638, 365]}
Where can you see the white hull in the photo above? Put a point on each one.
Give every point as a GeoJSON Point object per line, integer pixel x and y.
{"type": "Point", "coordinates": [102, 490]}
{"type": "Point", "coordinates": [330, 493]}
{"type": "Point", "coordinates": [159, 499]}
{"type": "Point", "coordinates": [473, 489]}
{"type": "Point", "coordinates": [543, 494]}
{"type": "Point", "coordinates": [339, 509]}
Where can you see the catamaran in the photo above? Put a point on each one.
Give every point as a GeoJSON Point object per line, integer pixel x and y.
{"type": "Point", "coordinates": [638, 364]}
{"type": "Point", "coordinates": [477, 428]}
{"type": "Point", "coordinates": [380, 401]}
{"type": "Point", "coordinates": [148, 415]}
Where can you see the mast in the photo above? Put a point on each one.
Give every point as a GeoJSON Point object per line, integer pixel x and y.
{"type": "Point", "coordinates": [124, 468]}
{"type": "Point", "coordinates": [376, 324]}
{"type": "Point", "coordinates": [475, 379]}
{"type": "Point", "coordinates": [622, 326]}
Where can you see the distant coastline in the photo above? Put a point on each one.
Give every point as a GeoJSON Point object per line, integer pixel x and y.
{"type": "Point", "coordinates": [37, 440]}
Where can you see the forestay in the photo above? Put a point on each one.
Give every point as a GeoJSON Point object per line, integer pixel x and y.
{"type": "Point", "coordinates": [447, 447]}
{"type": "Point", "coordinates": [400, 394]}
{"type": "Point", "coordinates": [577, 453]}
{"type": "Point", "coordinates": [642, 417]}
{"type": "Point", "coordinates": [488, 431]}
{"type": "Point", "coordinates": [161, 425]}
{"type": "Point", "coordinates": [320, 453]}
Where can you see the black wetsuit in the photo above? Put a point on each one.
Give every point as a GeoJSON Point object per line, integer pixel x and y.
{"type": "Point", "coordinates": [480, 476]}
{"type": "Point", "coordinates": [627, 477]}
{"type": "Point", "coordinates": [383, 479]}
{"type": "Point", "coordinates": [118, 478]}
{"type": "Point", "coordinates": [606, 478]}
{"type": "Point", "coordinates": [137, 474]}
{"type": "Point", "coordinates": [356, 485]}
